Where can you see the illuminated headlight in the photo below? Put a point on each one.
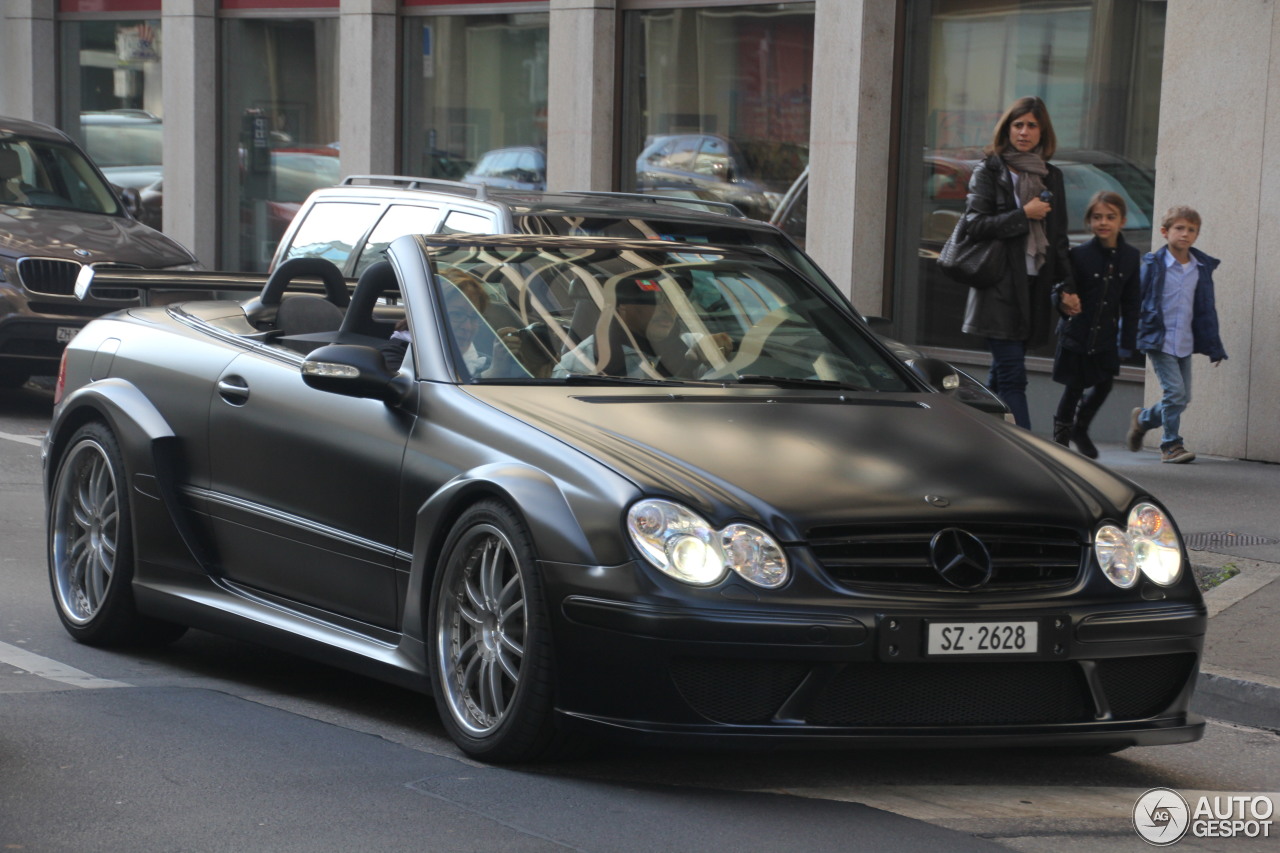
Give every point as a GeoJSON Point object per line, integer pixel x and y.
{"type": "Point", "coordinates": [681, 543]}
{"type": "Point", "coordinates": [1148, 545]}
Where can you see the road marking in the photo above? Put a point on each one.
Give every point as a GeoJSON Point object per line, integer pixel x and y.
{"type": "Point", "coordinates": [52, 669]}
{"type": "Point", "coordinates": [33, 440]}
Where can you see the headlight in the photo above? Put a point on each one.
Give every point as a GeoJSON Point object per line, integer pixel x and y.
{"type": "Point", "coordinates": [1147, 545]}
{"type": "Point", "coordinates": [681, 543]}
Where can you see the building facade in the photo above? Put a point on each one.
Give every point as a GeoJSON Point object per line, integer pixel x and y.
{"type": "Point", "coordinates": [224, 114]}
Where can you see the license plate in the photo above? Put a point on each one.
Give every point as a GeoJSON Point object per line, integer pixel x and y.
{"type": "Point", "coordinates": [982, 638]}
{"type": "Point", "coordinates": [66, 333]}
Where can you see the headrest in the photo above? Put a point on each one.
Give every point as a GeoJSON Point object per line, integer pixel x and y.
{"type": "Point", "coordinates": [10, 164]}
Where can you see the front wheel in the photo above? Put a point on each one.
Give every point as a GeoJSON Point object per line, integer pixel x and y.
{"type": "Point", "coordinates": [491, 672]}
{"type": "Point", "coordinates": [90, 541]}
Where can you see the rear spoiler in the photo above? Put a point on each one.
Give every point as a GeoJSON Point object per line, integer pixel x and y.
{"type": "Point", "coordinates": [123, 283]}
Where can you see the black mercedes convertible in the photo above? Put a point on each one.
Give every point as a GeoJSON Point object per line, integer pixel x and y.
{"type": "Point", "coordinates": [578, 485]}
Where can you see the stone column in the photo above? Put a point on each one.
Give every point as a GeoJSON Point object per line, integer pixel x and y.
{"type": "Point", "coordinates": [367, 87]}
{"type": "Point", "coordinates": [29, 43]}
{"type": "Point", "coordinates": [580, 101]}
{"type": "Point", "coordinates": [1219, 152]}
{"type": "Point", "coordinates": [849, 145]}
{"type": "Point", "coordinates": [189, 63]}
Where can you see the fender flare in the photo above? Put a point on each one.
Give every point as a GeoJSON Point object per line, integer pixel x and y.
{"type": "Point", "coordinates": [144, 435]}
{"type": "Point", "coordinates": [540, 503]}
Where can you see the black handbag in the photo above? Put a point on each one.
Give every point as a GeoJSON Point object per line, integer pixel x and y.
{"type": "Point", "coordinates": [976, 263]}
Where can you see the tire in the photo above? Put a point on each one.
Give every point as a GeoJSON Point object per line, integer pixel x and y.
{"type": "Point", "coordinates": [9, 379]}
{"type": "Point", "coordinates": [90, 542]}
{"type": "Point", "coordinates": [491, 669]}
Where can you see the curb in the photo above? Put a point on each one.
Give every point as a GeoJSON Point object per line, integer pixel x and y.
{"type": "Point", "coordinates": [1244, 698]}
{"type": "Point", "coordinates": [1237, 698]}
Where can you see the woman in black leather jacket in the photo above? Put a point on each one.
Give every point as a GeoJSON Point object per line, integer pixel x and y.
{"type": "Point", "coordinates": [1015, 195]}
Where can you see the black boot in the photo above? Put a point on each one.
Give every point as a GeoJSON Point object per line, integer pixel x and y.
{"type": "Point", "coordinates": [1080, 432]}
{"type": "Point", "coordinates": [1062, 431]}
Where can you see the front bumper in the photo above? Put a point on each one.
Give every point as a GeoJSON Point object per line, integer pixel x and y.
{"type": "Point", "coordinates": [1102, 675]}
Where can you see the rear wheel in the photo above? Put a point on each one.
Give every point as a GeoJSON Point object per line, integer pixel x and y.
{"type": "Point", "coordinates": [90, 543]}
{"type": "Point", "coordinates": [491, 668]}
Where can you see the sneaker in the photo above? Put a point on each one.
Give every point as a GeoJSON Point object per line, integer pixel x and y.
{"type": "Point", "coordinates": [1177, 453]}
{"type": "Point", "coordinates": [1133, 440]}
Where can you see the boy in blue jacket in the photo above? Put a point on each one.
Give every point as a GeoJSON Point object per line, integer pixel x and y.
{"type": "Point", "coordinates": [1178, 318]}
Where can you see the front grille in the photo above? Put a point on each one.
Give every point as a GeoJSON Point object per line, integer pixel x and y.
{"type": "Point", "coordinates": [1143, 687]}
{"type": "Point", "coordinates": [954, 694]}
{"type": "Point", "coordinates": [936, 694]}
{"type": "Point", "coordinates": [54, 277]}
{"type": "Point", "coordinates": [896, 557]}
{"type": "Point", "coordinates": [737, 691]}
{"type": "Point", "coordinates": [49, 276]}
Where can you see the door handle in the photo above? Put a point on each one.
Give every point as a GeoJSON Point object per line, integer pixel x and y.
{"type": "Point", "coordinates": [234, 390]}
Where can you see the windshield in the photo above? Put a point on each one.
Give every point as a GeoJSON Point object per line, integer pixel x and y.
{"type": "Point", "coordinates": [600, 311]}
{"type": "Point", "coordinates": [40, 173]}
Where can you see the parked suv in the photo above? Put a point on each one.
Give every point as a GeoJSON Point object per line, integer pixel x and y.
{"type": "Point", "coordinates": [353, 223]}
{"type": "Point", "coordinates": [57, 215]}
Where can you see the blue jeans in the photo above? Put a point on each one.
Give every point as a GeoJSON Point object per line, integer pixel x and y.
{"type": "Point", "coordinates": [1175, 381]}
{"type": "Point", "coordinates": [1008, 377]}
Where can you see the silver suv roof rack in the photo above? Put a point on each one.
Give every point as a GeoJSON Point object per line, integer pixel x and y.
{"type": "Point", "coordinates": [478, 191]}
{"type": "Point", "coordinates": [722, 207]}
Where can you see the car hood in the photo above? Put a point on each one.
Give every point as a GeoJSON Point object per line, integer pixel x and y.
{"type": "Point", "coordinates": [798, 460]}
{"type": "Point", "coordinates": [42, 232]}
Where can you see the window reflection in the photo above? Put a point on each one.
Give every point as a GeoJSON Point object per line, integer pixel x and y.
{"type": "Point", "coordinates": [279, 129]}
{"type": "Point", "coordinates": [718, 102]}
{"type": "Point", "coordinates": [475, 98]}
{"type": "Point", "coordinates": [113, 104]}
{"type": "Point", "coordinates": [1097, 67]}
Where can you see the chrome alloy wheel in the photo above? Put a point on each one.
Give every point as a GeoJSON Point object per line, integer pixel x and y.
{"type": "Point", "coordinates": [481, 623]}
{"type": "Point", "coordinates": [84, 531]}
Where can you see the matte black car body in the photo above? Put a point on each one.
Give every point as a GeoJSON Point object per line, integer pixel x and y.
{"type": "Point", "coordinates": [287, 488]}
{"type": "Point", "coordinates": [45, 242]}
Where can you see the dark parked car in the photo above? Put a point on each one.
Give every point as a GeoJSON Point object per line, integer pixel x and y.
{"type": "Point", "coordinates": [752, 175]}
{"type": "Point", "coordinates": [699, 501]}
{"type": "Point", "coordinates": [58, 215]}
{"type": "Point", "coordinates": [519, 168]}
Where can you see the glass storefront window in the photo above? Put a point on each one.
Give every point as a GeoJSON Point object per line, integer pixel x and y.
{"type": "Point", "coordinates": [717, 102]}
{"type": "Point", "coordinates": [112, 103]}
{"type": "Point", "coordinates": [475, 89]}
{"type": "Point", "coordinates": [1097, 67]}
{"type": "Point", "coordinates": [279, 129]}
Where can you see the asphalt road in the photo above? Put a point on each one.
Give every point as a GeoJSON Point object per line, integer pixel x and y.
{"type": "Point", "coordinates": [213, 744]}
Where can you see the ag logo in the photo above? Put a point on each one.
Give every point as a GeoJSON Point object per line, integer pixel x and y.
{"type": "Point", "coordinates": [1161, 816]}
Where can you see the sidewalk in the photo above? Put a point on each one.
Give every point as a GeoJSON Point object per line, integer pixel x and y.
{"type": "Point", "coordinates": [1229, 513]}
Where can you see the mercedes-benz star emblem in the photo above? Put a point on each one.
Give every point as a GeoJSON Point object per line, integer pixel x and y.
{"type": "Point", "coordinates": [960, 558]}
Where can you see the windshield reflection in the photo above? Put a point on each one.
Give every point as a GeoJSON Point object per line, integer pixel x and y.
{"type": "Point", "coordinates": [39, 173]}
{"type": "Point", "coordinates": [647, 311]}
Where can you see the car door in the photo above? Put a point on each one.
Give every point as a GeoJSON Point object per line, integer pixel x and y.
{"type": "Point", "coordinates": [304, 498]}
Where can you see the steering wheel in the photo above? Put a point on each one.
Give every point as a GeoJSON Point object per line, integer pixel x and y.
{"type": "Point", "coordinates": [335, 286]}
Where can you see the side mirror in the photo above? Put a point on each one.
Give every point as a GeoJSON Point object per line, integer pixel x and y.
{"type": "Point", "coordinates": [132, 201]}
{"type": "Point", "coordinates": [353, 371]}
{"type": "Point", "coordinates": [936, 372]}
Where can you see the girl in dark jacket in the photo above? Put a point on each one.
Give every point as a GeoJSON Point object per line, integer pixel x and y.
{"type": "Point", "coordinates": [1092, 342]}
{"type": "Point", "coordinates": [1016, 196]}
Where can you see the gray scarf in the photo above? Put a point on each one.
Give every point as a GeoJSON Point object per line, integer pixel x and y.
{"type": "Point", "coordinates": [1031, 169]}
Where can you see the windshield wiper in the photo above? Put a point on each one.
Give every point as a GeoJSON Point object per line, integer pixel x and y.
{"type": "Point", "coordinates": [799, 382]}
{"type": "Point", "coordinates": [603, 379]}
